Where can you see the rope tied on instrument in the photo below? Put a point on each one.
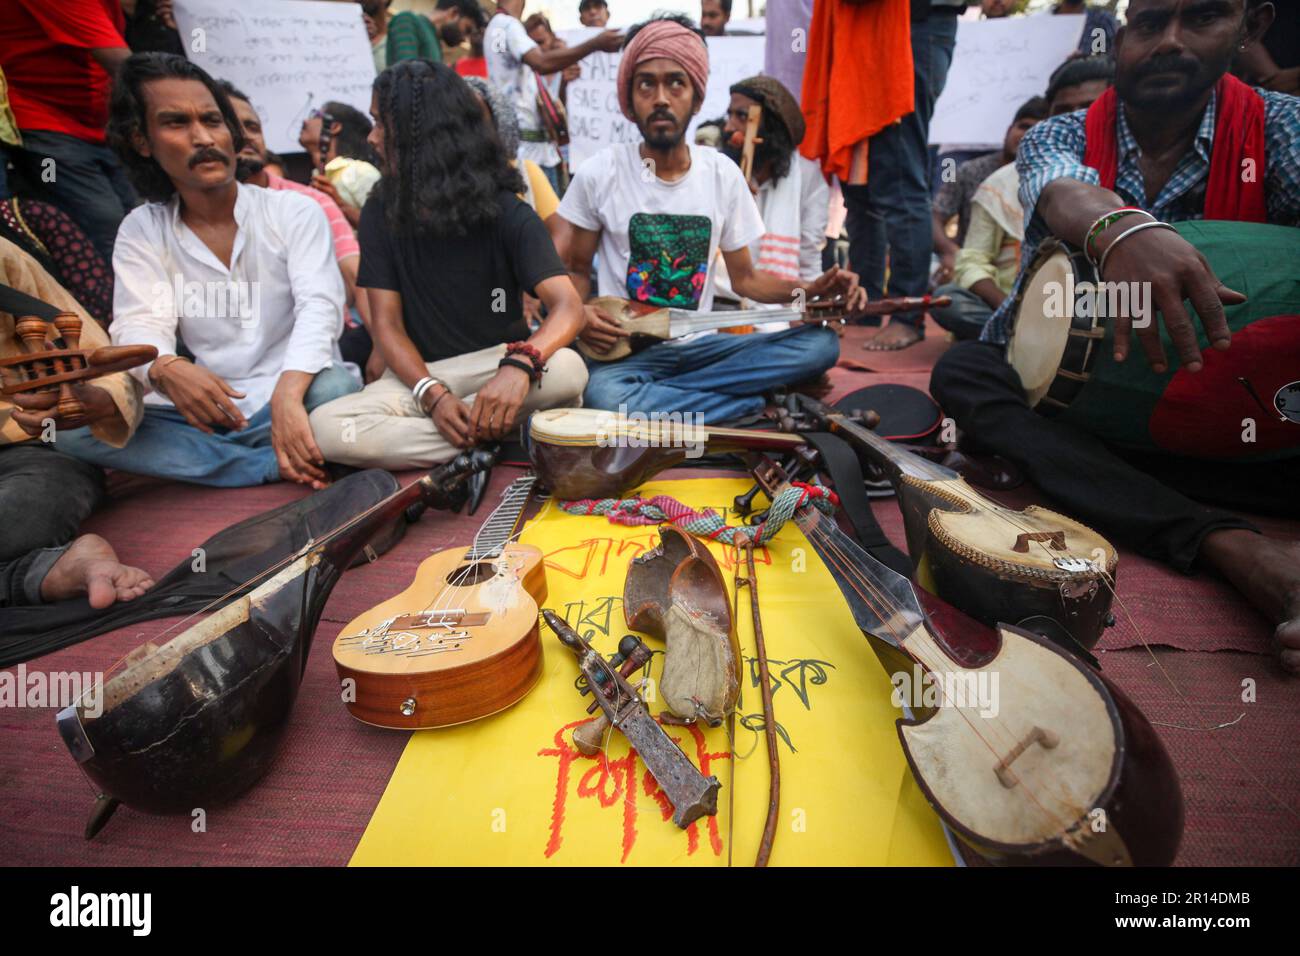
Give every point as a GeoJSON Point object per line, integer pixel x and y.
{"type": "Point", "coordinates": [707, 523]}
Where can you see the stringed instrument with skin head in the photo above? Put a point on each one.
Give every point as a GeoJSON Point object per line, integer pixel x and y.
{"type": "Point", "coordinates": [461, 642]}
{"type": "Point", "coordinates": [646, 324]}
{"type": "Point", "coordinates": [1038, 568]}
{"type": "Point", "coordinates": [197, 720]}
{"type": "Point", "coordinates": [589, 453]}
{"type": "Point", "coordinates": [1028, 754]}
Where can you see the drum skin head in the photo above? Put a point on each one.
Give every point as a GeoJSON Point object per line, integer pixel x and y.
{"type": "Point", "coordinates": [1036, 348]}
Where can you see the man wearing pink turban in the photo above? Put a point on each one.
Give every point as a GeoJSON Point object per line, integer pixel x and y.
{"type": "Point", "coordinates": [660, 212]}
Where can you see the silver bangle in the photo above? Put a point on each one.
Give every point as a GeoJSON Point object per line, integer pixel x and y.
{"type": "Point", "coordinates": [1101, 268]}
{"type": "Point", "coordinates": [423, 386]}
{"type": "Point", "coordinates": [1087, 252]}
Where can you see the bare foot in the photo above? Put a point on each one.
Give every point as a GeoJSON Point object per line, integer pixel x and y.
{"type": "Point", "coordinates": [894, 336]}
{"type": "Point", "coordinates": [1267, 573]}
{"type": "Point", "coordinates": [90, 567]}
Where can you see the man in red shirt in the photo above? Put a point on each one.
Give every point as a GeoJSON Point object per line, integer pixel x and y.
{"type": "Point", "coordinates": [59, 60]}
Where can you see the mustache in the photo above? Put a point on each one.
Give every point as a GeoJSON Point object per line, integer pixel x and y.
{"type": "Point", "coordinates": [207, 154]}
{"type": "Point", "coordinates": [661, 115]}
{"type": "Point", "coordinates": [1168, 64]}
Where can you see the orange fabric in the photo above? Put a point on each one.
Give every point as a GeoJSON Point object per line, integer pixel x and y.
{"type": "Point", "coordinates": [857, 79]}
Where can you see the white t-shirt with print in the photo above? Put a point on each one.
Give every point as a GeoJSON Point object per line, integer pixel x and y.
{"type": "Point", "coordinates": [659, 240]}
{"type": "Point", "coordinates": [505, 42]}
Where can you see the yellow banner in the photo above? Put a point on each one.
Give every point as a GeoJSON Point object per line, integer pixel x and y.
{"type": "Point", "coordinates": [512, 790]}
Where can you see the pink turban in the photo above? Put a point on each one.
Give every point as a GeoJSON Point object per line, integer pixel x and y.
{"type": "Point", "coordinates": [663, 38]}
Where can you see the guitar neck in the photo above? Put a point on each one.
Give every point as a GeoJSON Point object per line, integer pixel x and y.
{"type": "Point", "coordinates": [681, 322]}
{"type": "Point", "coordinates": [502, 523]}
{"type": "Point", "coordinates": [899, 460]}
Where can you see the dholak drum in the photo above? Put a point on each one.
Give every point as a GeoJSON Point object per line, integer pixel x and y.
{"type": "Point", "coordinates": [1062, 347]}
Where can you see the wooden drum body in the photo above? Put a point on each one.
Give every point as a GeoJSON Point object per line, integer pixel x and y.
{"type": "Point", "coordinates": [1036, 566]}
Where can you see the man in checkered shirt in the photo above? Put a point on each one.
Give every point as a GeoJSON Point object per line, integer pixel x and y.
{"type": "Point", "coordinates": [1170, 58]}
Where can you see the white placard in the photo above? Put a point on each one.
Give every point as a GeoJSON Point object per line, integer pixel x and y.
{"type": "Point", "coordinates": [997, 65]}
{"type": "Point", "coordinates": [595, 120]}
{"type": "Point", "coordinates": [290, 56]}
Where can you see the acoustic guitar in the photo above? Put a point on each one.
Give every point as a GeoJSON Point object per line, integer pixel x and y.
{"type": "Point", "coordinates": [461, 642]}
{"type": "Point", "coordinates": [647, 324]}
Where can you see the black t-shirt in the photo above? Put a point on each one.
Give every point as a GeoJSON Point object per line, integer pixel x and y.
{"type": "Point", "coordinates": [459, 294]}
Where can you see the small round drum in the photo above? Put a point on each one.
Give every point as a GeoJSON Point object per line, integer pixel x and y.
{"type": "Point", "coordinates": [1062, 347]}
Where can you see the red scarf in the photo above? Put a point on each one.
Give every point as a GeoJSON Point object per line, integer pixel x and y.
{"type": "Point", "coordinates": [1238, 136]}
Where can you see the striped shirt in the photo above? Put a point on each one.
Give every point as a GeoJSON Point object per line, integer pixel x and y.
{"type": "Point", "coordinates": [1054, 149]}
{"type": "Point", "coordinates": [345, 240]}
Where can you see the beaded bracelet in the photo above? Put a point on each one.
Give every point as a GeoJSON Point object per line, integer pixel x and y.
{"type": "Point", "coordinates": [534, 374]}
{"type": "Point", "coordinates": [1102, 223]}
{"type": "Point", "coordinates": [530, 352]}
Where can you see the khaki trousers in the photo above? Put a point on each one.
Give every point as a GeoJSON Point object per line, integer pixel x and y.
{"type": "Point", "coordinates": [381, 427]}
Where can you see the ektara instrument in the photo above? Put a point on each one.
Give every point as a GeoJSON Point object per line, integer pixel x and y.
{"type": "Point", "coordinates": [1062, 347]}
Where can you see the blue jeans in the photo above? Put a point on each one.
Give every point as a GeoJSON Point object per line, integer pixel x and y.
{"type": "Point", "coordinates": [719, 376]}
{"type": "Point", "coordinates": [167, 446]}
{"type": "Point", "coordinates": [967, 315]}
{"type": "Point", "coordinates": [85, 180]}
{"type": "Point", "coordinates": [889, 215]}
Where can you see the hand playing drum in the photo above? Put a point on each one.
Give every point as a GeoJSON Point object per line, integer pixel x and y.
{"type": "Point", "coordinates": [1174, 271]}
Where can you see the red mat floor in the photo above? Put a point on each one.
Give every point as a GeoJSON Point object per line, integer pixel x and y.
{"type": "Point", "coordinates": [1239, 761]}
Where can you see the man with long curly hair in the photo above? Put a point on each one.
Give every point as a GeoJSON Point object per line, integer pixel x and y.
{"type": "Point", "coordinates": [244, 276]}
{"type": "Point", "coordinates": [447, 249]}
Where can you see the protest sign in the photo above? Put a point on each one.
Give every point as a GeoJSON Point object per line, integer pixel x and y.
{"type": "Point", "coordinates": [289, 56]}
{"type": "Point", "coordinates": [997, 65]}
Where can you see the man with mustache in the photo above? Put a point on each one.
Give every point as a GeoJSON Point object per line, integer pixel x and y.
{"type": "Point", "coordinates": [660, 212]}
{"type": "Point", "coordinates": [245, 276]}
{"type": "Point", "coordinates": [1170, 141]}
{"type": "Point", "coordinates": [791, 192]}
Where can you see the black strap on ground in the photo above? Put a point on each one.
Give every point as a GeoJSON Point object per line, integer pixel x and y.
{"type": "Point", "coordinates": [841, 465]}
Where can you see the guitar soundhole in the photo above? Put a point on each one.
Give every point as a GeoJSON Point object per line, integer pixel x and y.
{"type": "Point", "coordinates": [469, 575]}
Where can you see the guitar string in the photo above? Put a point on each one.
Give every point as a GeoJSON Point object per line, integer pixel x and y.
{"type": "Point", "coordinates": [853, 575]}
{"type": "Point", "coordinates": [520, 487]}
{"type": "Point", "coordinates": [1107, 580]}
{"type": "Point", "coordinates": [1063, 794]}
{"type": "Point", "coordinates": [273, 569]}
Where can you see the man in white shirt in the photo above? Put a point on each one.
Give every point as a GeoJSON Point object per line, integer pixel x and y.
{"type": "Point", "coordinates": [512, 57]}
{"type": "Point", "coordinates": [660, 212]}
{"type": "Point", "coordinates": [244, 276]}
{"type": "Point", "coordinates": [792, 194]}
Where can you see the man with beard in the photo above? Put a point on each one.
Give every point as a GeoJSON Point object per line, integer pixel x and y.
{"type": "Point", "coordinates": [251, 166]}
{"type": "Point", "coordinates": [245, 276]}
{"type": "Point", "coordinates": [1154, 147]}
{"type": "Point", "coordinates": [414, 36]}
{"type": "Point", "coordinates": [792, 195]}
{"type": "Point", "coordinates": [660, 212]}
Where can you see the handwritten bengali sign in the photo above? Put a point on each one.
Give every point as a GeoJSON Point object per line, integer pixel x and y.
{"type": "Point", "coordinates": [289, 56]}
{"type": "Point", "coordinates": [996, 66]}
{"type": "Point", "coordinates": [595, 120]}
{"type": "Point", "coordinates": [512, 789]}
